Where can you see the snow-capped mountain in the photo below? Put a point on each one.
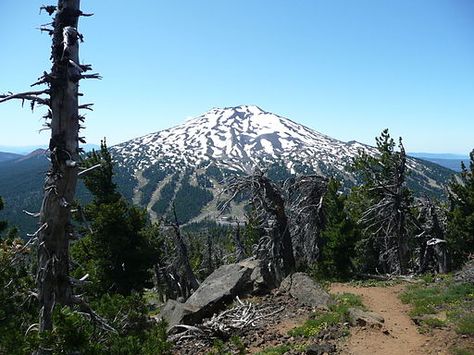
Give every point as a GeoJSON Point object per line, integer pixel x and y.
{"type": "Point", "coordinates": [236, 140]}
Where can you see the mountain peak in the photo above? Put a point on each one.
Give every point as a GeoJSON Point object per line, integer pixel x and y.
{"type": "Point", "coordinates": [236, 112]}
{"type": "Point", "coordinates": [240, 138]}
{"type": "Point", "coordinates": [199, 153]}
{"type": "Point", "coordinates": [254, 109]}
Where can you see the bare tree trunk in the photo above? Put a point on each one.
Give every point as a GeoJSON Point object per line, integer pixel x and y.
{"type": "Point", "coordinates": [53, 252]}
{"type": "Point", "coordinates": [267, 198]}
{"type": "Point", "coordinates": [183, 255]}
{"type": "Point", "coordinates": [282, 240]}
{"type": "Point", "coordinates": [55, 229]}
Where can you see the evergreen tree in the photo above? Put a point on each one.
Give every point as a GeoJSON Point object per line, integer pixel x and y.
{"type": "Point", "coordinates": [252, 231]}
{"type": "Point", "coordinates": [116, 252]}
{"type": "Point", "coordinates": [5, 232]}
{"type": "Point", "coordinates": [18, 309]}
{"type": "Point", "coordinates": [100, 181]}
{"type": "Point", "coordinates": [388, 204]}
{"type": "Point", "coordinates": [338, 235]}
{"type": "Point", "coordinates": [460, 236]}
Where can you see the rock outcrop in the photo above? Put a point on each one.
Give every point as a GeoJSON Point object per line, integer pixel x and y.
{"type": "Point", "coordinates": [304, 289]}
{"type": "Point", "coordinates": [466, 274]}
{"type": "Point", "coordinates": [217, 290]}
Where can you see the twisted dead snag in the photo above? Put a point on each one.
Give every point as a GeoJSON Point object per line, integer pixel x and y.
{"type": "Point", "coordinates": [53, 281]}
{"type": "Point", "coordinates": [431, 240]}
{"type": "Point", "coordinates": [304, 209]}
{"type": "Point", "coordinates": [190, 281]}
{"type": "Point", "coordinates": [267, 199]}
{"type": "Point", "coordinates": [389, 217]}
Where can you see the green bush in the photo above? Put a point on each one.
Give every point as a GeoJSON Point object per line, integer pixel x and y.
{"type": "Point", "coordinates": [444, 295]}
{"type": "Point", "coordinates": [320, 320]}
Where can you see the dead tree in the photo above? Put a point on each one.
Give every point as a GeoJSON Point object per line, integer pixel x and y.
{"type": "Point", "coordinates": [305, 201]}
{"type": "Point", "coordinates": [432, 250]}
{"type": "Point", "coordinates": [190, 279]}
{"type": "Point", "coordinates": [267, 199]}
{"type": "Point", "coordinates": [388, 216]}
{"type": "Point", "coordinates": [61, 98]}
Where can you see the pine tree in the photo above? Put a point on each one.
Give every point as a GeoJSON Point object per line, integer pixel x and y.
{"type": "Point", "coordinates": [389, 204]}
{"type": "Point", "coordinates": [338, 235]}
{"type": "Point", "coordinates": [460, 236]}
{"type": "Point", "coordinates": [116, 251]}
{"type": "Point", "coordinates": [18, 309]}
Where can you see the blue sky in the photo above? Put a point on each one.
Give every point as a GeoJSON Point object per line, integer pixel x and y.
{"type": "Point", "coordinates": [345, 68]}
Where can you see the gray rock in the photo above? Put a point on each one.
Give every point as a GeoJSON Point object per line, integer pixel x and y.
{"type": "Point", "coordinates": [217, 290]}
{"type": "Point", "coordinates": [320, 349]}
{"type": "Point", "coordinates": [174, 312]}
{"type": "Point", "coordinates": [261, 279]}
{"type": "Point", "coordinates": [466, 274]}
{"type": "Point", "coordinates": [364, 318]}
{"type": "Point", "coordinates": [304, 289]}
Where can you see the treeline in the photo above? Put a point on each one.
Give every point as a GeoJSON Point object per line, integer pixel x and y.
{"type": "Point", "coordinates": [126, 266]}
{"type": "Point", "coordinates": [381, 227]}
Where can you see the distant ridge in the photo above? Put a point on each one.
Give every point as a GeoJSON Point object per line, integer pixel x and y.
{"type": "Point", "coordinates": [448, 160]}
{"type": "Point", "coordinates": [7, 156]}
{"type": "Point", "coordinates": [27, 149]}
{"type": "Point", "coordinates": [439, 155]}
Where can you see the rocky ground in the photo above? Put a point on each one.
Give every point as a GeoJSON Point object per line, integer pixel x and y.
{"type": "Point", "coordinates": [269, 332]}
{"type": "Point", "coordinates": [373, 321]}
{"type": "Point", "coordinates": [398, 334]}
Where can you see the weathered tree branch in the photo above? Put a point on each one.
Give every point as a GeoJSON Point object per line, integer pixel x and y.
{"type": "Point", "coordinates": [86, 171]}
{"type": "Point", "coordinates": [28, 95]}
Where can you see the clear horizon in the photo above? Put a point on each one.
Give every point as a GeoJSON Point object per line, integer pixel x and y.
{"type": "Point", "coordinates": [347, 70]}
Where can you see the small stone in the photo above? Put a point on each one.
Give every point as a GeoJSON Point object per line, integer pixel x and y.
{"type": "Point", "coordinates": [320, 349]}
{"type": "Point", "coordinates": [363, 318]}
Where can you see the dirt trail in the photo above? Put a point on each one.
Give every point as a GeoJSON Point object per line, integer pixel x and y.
{"type": "Point", "coordinates": [403, 336]}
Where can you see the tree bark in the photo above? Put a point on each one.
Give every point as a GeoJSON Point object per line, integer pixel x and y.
{"type": "Point", "coordinates": [53, 252]}
{"type": "Point", "coordinates": [282, 243]}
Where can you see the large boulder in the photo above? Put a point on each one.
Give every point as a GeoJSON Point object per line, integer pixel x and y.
{"type": "Point", "coordinates": [174, 312]}
{"type": "Point", "coordinates": [261, 279]}
{"type": "Point", "coordinates": [305, 290]}
{"type": "Point", "coordinates": [217, 290]}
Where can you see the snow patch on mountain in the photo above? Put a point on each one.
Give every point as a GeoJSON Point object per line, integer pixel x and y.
{"type": "Point", "coordinates": [237, 138]}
